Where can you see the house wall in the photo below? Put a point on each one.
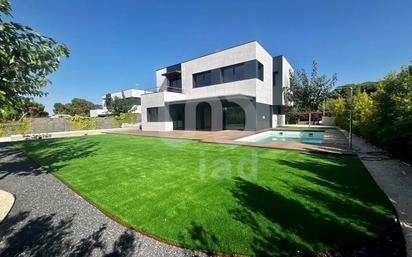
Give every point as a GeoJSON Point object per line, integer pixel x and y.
{"type": "Point", "coordinates": [263, 116]}
{"type": "Point", "coordinates": [264, 88]}
{"type": "Point", "coordinates": [161, 81]}
{"type": "Point", "coordinates": [283, 69]}
{"type": "Point", "coordinates": [259, 115]}
{"type": "Point", "coordinates": [221, 59]}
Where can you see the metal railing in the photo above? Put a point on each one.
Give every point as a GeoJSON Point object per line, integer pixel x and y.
{"type": "Point", "coordinates": [163, 89]}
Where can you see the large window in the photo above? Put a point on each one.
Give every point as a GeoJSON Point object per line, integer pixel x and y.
{"type": "Point", "coordinates": [233, 73]}
{"type": "Point", "coordinates": [260, 71]}
{"type": "Point", "coordinates": [175, 83]}
{"type": "Point", "coordinates": [152, 114]}
{"type": "Point", "coordinates": [202, 79]}
{"type": "Point", "coordinates": [240, 71]}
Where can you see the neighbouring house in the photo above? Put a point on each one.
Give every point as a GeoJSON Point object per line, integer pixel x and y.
{"type": "Point", "coordinates": [241, 87]}
{"type": "Point", "coordinates": [133, 94]}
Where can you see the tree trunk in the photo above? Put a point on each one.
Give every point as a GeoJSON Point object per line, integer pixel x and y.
{"type": "Point", "coordinates": [310, 118]}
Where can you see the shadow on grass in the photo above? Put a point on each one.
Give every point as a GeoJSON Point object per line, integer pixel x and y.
{"type": "Point", "coordinates": [330, 207]}
{"type": "Point", "coordinates": [53, 154]}
{"type": "Point", "coordinates": [200, 238]}
{"type": "Point", "coordinates": [48, 235]}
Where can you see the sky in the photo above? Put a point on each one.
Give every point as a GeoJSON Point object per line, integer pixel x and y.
{"type": "Point", "coordinates": [118, 45]}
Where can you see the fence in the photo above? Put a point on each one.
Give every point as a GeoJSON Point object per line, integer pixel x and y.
{"type": "Point", "coordinates": [47, 125]}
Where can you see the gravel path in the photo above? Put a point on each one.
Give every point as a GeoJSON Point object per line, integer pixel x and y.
{"type": "Point", "coordinates": [395, 179]}
{"type": "Point", "coordinates": [48, 219]}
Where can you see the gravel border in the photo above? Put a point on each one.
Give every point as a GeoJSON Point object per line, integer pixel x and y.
{"type": "Point", "coordinates": [48, 219]}
{"type": "Point", "coordinates": [394, 177]}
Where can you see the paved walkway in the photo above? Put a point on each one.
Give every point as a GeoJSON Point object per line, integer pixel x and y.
{"type": "Point", "coordinates": [395, 179]}
{"type": "Point", "coordinates": [334, 140]}
{"type": "Point", "coordinates": [48, 219]}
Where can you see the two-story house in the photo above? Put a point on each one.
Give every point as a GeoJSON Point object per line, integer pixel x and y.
{"type": "Point", "coordinates": [241, 87]}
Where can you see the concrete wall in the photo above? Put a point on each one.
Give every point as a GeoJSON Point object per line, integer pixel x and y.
{"type": "Point", "coordinates": [161, 81]}
{"type": "Point", "coordinates": [158, 100]}
{"type": "Point", "coordinates": [262, 91]}
{"type": "Point", "coordinates": [228, 57]}
{"type": "Point", "coordinates": [264, 88]}
{"type": "Point", "coordinates": [46, 125]}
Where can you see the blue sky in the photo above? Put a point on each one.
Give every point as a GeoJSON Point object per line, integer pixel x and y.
{"type": "Point", "coordinates": [119, 44]}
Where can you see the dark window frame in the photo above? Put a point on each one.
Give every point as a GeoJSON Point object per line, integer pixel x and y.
{"type": "Point", "coordinates": [152, 114]}
{"type": "Point", "coordinates": [227, 74]}
{"type": "Point", "coordinates": [235, 72]}
{"type": "Point", "coordinates": [202, 79]}
{"type": "Point", "coordinates": [260, 71]}
{"type": "Point", "coordinates": [175, 82]}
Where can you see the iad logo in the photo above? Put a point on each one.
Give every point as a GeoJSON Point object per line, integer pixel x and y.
{"type": "Point", "coordinates": [246, 168]}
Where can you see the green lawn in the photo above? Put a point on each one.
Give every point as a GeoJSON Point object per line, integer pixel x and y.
{"type": "Point", "coordinates": [192, 194]}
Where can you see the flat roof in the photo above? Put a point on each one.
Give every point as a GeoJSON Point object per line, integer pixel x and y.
{"type": "Point", "coordinates": [218, 52]}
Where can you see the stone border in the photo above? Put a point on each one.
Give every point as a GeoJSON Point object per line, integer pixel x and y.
{"type": "Point", "coordinates": [6, 203]}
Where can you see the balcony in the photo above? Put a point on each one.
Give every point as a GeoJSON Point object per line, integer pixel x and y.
{"type": "Point", "coordinates": [163, 89]}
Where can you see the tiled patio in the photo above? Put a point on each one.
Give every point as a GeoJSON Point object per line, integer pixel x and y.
{"type": "Point", "coordinates": [334, 140]}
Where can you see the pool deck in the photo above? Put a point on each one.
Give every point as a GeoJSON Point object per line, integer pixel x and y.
{"type": "Point", "coordinates": [334, 141]}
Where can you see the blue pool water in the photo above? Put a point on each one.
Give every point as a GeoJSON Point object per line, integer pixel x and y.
{"type": "Point", "coordinates": [296, 136]}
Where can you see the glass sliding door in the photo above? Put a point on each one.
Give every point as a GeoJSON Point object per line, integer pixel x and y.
{"type": "Point", "coordinates": [233, 118]}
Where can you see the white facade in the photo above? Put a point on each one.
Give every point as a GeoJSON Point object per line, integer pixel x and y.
{"type": "Point", "coordinates": [261, 91]}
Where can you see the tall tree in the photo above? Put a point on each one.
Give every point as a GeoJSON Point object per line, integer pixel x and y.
{"type": "Point", "coordinates": [60, 108]}
{"type": "Point", "coordinates": [27, 58]}
{"type": "Point", "coordinates": [77, 106]}
{"type": "Point", "coordinates": [119, 105]}
{"type": "Point", "coordinates": [308, 93]}
{"type": "Point", "coordinates": [32, 109]}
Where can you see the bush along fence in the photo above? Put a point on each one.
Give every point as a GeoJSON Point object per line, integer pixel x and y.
{"type": "Point", "coordinates": [48, 125]}
{"type": "Point", "coordinates": [383, 117]}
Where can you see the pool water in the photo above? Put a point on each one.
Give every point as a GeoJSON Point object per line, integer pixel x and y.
{"type": "Point", "coordinates": [296, 136]}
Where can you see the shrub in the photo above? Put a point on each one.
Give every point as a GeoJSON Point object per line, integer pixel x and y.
{"type": "Point", "coordinates": [130, 118]}
{"type": "Point", "coordinates": [82, 123]}
{"type": "Point", "coordinates": [14, 128]}
{"type": "Point", "coordinates": [383, 117]}
{"type": "Point", "coordinates": [292, 117]}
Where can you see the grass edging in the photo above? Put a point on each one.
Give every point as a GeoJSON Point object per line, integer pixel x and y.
{"type": "Point", "coordinates": [118, 220]}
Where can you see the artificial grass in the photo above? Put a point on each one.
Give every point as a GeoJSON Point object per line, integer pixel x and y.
{"type": "Point", "coordinates": [191, 193]}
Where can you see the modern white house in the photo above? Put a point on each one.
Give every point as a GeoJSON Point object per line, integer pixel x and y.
{"type": "Point", "coordinates": [241, 87]}
{"type": "Point", "coordinates": [133, 94]}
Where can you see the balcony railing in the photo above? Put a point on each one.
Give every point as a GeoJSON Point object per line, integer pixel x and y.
{"type": "Point", "coordinates": [164, 89]}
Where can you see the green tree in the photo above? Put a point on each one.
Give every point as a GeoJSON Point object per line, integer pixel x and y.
{"type": "Point", "coordinates": [7, 113]}
{"type": "Point", "coordinates": [363, 115]}
{"type": "Point", "coordinates": [77, 106]}
{"type": "Point", "coordinates": [59, 108]}
{"type": "Point", "coordinates": [32, 109]}
{"type": "Point", "coordinates": [308, 93]}
{"type": "Point", "coordinates": [108, 100]}
{"type": "Point", "coordinates": [383, 115]}
{"type": "Point", "coordinates": [27, 58]}
{"type": "Point", "coordinates": [119, 105]}
{"type": "Point", "coordinates": [393, 102]}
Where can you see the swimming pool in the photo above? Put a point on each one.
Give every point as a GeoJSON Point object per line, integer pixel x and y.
{"type": "Point", "coordinates": [296, 136]}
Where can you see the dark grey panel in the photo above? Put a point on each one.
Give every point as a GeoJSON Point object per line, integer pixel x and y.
{"type": "Point", "coordinates": [279, 109]}
{"type": "Point", "coordinates": [173, 68]}
{"type": "Point", "coordinates": [277, 79]}
{"type": "Point", "coordinates": [263, 116]}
